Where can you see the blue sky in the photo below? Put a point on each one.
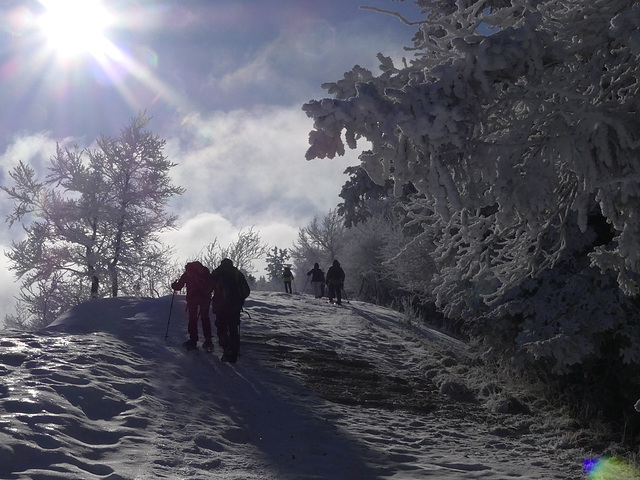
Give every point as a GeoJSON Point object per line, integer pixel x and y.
{"type": "Point", "coordinates": [224, 82]}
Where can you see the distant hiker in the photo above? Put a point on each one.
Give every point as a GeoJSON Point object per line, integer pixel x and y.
{"type": "Point", "coordinates": [287, 276]}
{"type": "Point", "coordinates": [317, 280]}
{"type": "Point", "coordinates": [335, 281]}
{"type": "Point", "coordinates": [197, 279]}
{"type": "Point", "coordinates": [230, 289]}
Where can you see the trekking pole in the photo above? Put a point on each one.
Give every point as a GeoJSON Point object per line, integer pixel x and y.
{"type": "Point", "coordinates": [344, 294]}
{"type": "Point", "coordinates": [166, 334]}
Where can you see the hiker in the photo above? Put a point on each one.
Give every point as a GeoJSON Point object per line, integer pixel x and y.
{"type": "Point", "coordinates": [287, 276]}
{"type": "Point", "coordinates": [335, 281]}
{"type": "Point", "coordinates": [197, 279]}
{"type": "Point", "coordinates": [317, 280]}
{"type": "Point", "coordinates": [230, 289]}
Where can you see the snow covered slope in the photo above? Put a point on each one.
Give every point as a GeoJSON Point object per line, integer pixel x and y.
{"type": "Point", "coordinates": [319, 392]}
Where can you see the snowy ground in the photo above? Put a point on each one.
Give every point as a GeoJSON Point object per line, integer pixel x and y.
{"type": "Point", "coordinates": [319, 392]}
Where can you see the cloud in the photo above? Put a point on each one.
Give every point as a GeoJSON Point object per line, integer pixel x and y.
{"type": "Point", "coordinates": [35, 149]}
{"type": "Point", "coordinates": [192, 235]}
{"type": "Point", "coordinates": [246, 168]}
{"type": "Point", "coordinates": [196, 232]}
{"type": "Point", "coordinates": [249, 166]}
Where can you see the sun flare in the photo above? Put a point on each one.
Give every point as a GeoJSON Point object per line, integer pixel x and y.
{"type": "Point", "coordinates": [72, 27]}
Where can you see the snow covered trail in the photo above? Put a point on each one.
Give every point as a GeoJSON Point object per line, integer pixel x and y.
{"type": "Point", "coordinates": [320, 392]}
{"type": "Point", "coordinates": [376, 370]}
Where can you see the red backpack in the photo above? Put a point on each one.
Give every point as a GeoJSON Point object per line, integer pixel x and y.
{"type": "Point", "coordinates": [198, 278]}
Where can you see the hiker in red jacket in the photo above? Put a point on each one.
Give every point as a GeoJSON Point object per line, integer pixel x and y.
{"type": "Point", "coordinates": [198, 281]}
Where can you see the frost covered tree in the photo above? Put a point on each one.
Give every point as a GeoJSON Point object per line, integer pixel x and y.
{"type": "Point", "coordinates": [94, 218]}
{"type": "Point", "coordinates": [370, 256]}
{"type": "Point", "coordinates": [242, 252]}
{"type": "Point", "coordinates": [277, 258]}
{"type": "Point", "coordinates": [136, 172]}
{"type": "Point", "coordinates": [321, 241]}
{"type": "Point", "coordinates": [516, 122]}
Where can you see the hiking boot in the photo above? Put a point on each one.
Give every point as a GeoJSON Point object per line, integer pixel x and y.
{"type": "Point", "coordinates": [207, 346]}
{"type": "Point", "coordinates": [190, 344]}
{"type": "Point", "coordinates": [229, 356]}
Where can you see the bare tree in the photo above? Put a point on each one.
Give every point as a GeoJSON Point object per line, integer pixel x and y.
{"type": "Point", "coordinates": [247, 248]}
{"type": "Point", "coordinates": [323, 240]}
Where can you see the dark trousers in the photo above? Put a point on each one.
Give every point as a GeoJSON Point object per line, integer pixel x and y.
{"type": "Point", "coordinates": [287, 286]}
{"type": "Point", "coordinates": [335, 291]}
{"type": "Point", "coordinates": [198, 308]}
{"type": "Point", "coordinates": [227, 328]}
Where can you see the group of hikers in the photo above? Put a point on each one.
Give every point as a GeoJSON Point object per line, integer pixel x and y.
{"type": "Point", "coordinates": [230, 289]}
{"type": "Point", "coordinates": [334, 280]}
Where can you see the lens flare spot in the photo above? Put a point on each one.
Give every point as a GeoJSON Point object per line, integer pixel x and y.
{"type": "Point", "coordinates": [609, 468]}
{"type": "Point", "coordinates": [151, 58]}
{"type": "Point", "coordinates": [19, 20]}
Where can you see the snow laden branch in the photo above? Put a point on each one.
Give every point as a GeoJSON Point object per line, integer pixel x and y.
{"type": "Point", "coordinates": [517, 124]}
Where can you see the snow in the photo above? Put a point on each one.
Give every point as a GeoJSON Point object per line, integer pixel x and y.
{"type": "Point", "coordinates": [320, 392]}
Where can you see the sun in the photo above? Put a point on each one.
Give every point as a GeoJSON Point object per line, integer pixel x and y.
{"type": "Point", "coordinates": [73, 27]}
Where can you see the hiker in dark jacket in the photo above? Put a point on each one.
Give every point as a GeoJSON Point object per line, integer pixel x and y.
{"type": "Point", "coordinates": [230, 289]}
{"type": "Point", "coordinates": [317, 280]}
{"type": "Point", "coordinates": [197, 278]}
{"type": "Point", "coordinates": [335, 281]}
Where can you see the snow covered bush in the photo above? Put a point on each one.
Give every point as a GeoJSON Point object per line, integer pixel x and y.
{"type": "Point", "coordinates": [516, 122]}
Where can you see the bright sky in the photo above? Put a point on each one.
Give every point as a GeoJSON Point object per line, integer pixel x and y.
{"type": "Point", "coordinates": [223, 81]}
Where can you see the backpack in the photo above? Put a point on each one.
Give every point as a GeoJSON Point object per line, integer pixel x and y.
{"type": "Point", "coordinates": [198, 278]}
{"type": "Point", "coordinates": [230, 289]}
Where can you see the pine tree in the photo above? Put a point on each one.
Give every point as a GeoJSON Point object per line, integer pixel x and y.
{"type": "Point", "coordinates": [276, 260]}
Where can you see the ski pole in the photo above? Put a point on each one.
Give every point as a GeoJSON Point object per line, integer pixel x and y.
{"type": "Point", "coordinates": [169, 319]}
{"type": "Point", "coordinates": [344, 293]}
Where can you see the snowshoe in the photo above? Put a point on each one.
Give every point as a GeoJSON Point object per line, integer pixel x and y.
{"type": "Point", "coordinates": [207, 346]}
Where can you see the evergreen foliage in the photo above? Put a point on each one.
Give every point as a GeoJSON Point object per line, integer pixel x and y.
{"type": "Point", "coordinates": [277, 258]}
